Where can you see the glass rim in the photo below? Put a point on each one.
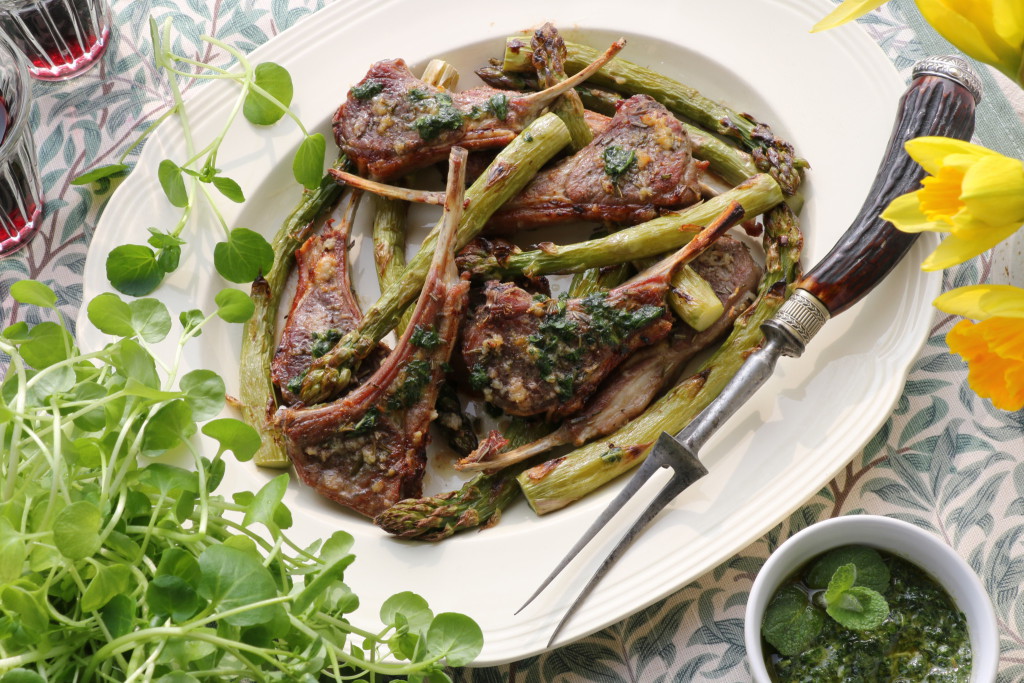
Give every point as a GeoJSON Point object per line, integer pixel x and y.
{"type": "Point", "coordinates": [23, 112]}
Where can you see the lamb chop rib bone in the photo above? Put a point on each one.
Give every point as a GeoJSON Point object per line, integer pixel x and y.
{"type": "Point", "coordinates": [941, 101]}
{"type": "Point", "coordinates": [367, 450]}
{"type": "Point", "coordinates": [526, 370]}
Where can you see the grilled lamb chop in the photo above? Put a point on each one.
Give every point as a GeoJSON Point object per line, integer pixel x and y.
{"type": "Point", "coordinates": [531, 354]}
{"type": "Point", "coordinates": [393, 123]}
{"type": "Point", "coordinates": [734, 276]}
{"type": "Point", "coordinates": [367, 450]}
{"type": "Point", "coordinates": [635, 168]}
{"type": "Point", "coordinates": [323, 309]}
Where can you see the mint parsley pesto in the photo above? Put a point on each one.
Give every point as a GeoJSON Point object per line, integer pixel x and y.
{"type": "Point", "coordinates": [858, 615]}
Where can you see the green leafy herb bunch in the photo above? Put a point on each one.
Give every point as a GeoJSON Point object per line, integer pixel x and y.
{"type": "Point", "coordinates": [117, 564]}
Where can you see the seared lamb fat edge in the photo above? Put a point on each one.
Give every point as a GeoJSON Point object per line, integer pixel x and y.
{"type": "Point", "coordinates": [639, 165]}
{"type": "Point", "coordinates": [392, 122]}
{"type": "Point", "coordinates": [367, 450]}
{"type": "Point", "coordinates": [323, 309]}
{"type": "Point", "coordinates": [530, 354]}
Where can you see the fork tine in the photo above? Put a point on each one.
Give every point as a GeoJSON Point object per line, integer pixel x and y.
{"type": "Point", "coordinates": [673, 488]}
{"type": "Point", "coordinates": [649, 466]}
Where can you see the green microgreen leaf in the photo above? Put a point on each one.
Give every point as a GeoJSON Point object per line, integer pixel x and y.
{"type": "Point", "coordinates": [47, 343]}
{"type": "Point", "coordinates": [229, 188]}
{"type": "Point", "coordinates": [412, 608]}
{"type": "Point", "coordinates": [13, 553]}
{"type": "Point", "coordinates": [168, 479]}
{"type": "Point", "coordinates": [264, 505]}
{"type": "Point", "coordinates": [133, 269]}
{"type": "Point", "coordinates": [324, 584]}
{"type": "Point", "coordinates": [235, 436]}
{"type": "Point", "coordinates": [204, 392]}
{"type": "Point", "coordinates": [150, 319]}
{"type": "Point", "coordinates": [191, 320]}
{"type": "Point", "coordinates": [110, 315]}
{"type": "Point", "coordinates": [158, 239]}
{"type": "Point", "coordinates": [859, 608]}
{"type": "Point", "coordinates": [233, 578]}
{"type": "Point", "coordinates": [234, 306]}
{"type": "Point", "coordinates": [90, 392]}
{"type": "Point", "coordinates": [791, 623]}
{"type": "Point", "coordinates": [455, 636]}
{"type": "Point", "coordinates": [171, 596]}
{"type": "Point", "coordinates": [167, 427]}
{"type": "Point", "coordinates": [110, 580]}
{"type": "Point", "coordinates": [99, 173]}
{"type": "Point", "coordinates": [33, 293]}
{"type": "Point", "coordinates": [872, 571]}
{"type": "Point", "coordinates": [277, 82]}
{"type": "Point", "coordinates": [22, 676]}
{"type": "Point", "coordinates": [76, 530]}
{"type": "Point", "coordinates": [245, 256]}
{"type": "Point", "coordinates": [118, 615]}
{"type": "Point", "coordinates": [173, 183]}
{"type": "Point", "coordinates": [308, 165]}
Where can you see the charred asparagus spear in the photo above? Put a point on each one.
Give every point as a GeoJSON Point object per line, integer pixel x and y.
{"type": "Point", "coordinates": [257, 394]}
{"type": "Point", "coordinates": [477, 504]}
{"type": "Point", "coordinates": [757, 195]}
{"type": "Point", "coordinates": [555, 484]}
{"type": "Point", "coordinates": [506, 176]}
{"type": "Point", "coordinates": [771, 154]}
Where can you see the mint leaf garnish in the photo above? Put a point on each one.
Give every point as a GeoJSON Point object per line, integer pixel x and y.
{"type": "Point", "coordinates": [872, 572]}
{"type": "Point", "coordinates": [843, 580]}
{"type": "Point", "coordinates": [859, 608]}
{"type": "Point", "coordinates": [791, 623]}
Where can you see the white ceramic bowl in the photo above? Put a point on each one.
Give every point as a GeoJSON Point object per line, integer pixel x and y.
{"type": "Point", "coordinates": [904, 540]}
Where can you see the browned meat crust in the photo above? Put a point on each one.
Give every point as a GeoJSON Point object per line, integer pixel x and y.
{"type": "Point", "coordinates": [657, 172]}
{"type": "Point", "coordinates": [393, 123]}
{"type": "Point", "coordinates": [733, 275]}
{"type": "Point", "coordinates": [530, 354]}
{"type": "Point", "coordinates": [322, 311]}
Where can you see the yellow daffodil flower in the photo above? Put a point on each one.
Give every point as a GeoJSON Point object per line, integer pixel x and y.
{"type": "Point", "coordinates": [991, 31]}
{"type": "Point", "coordinates": [973, 193]}
{"type": "Point", "coordinates": [992, 347]}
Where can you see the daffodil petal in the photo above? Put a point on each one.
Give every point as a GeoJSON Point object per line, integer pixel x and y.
{"type": "Point", "coordinates": [905, 213]}
{"type": "Point", "coordinates": [931, 151]}
{"type": "Point", "coordinates": [968, 27]}
{"type": "Point", "coordinates": [980, 302]}
{"type": "Point", "coordinates": [1008, 19]}
{"type": "Point", "coordinates": [993, 189]}
{"type": "Point", "coordinates": [955, 250]}
{"type": "Point", "coordinates": [995, 359]}
{"type": "Point", "coordinates": [1004, 301]}
{"type": "Point", "coordinates": [848, 11]}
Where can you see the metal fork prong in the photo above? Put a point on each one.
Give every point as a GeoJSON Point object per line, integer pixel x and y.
{"type": "Point", "coordinates": [643, 473]}
{"type": "Point", "coordinates": [664, 497]}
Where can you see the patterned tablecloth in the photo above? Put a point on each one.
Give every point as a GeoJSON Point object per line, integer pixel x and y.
{"type": "Point", "coordinates": [945, 459]}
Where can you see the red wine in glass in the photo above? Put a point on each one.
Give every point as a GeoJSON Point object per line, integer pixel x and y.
{"type": "Point", "coordinates": [60, 38]}
{"type": "Point", "coordinates": [20, 202]}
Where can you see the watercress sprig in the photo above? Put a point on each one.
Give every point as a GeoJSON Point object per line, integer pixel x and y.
{"type": "Point", "coordinates": [116, 566]}
{"type": "Point", "coordinates": [845, 583]}
{"type": "Point", "coordinates": [265, 94]}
